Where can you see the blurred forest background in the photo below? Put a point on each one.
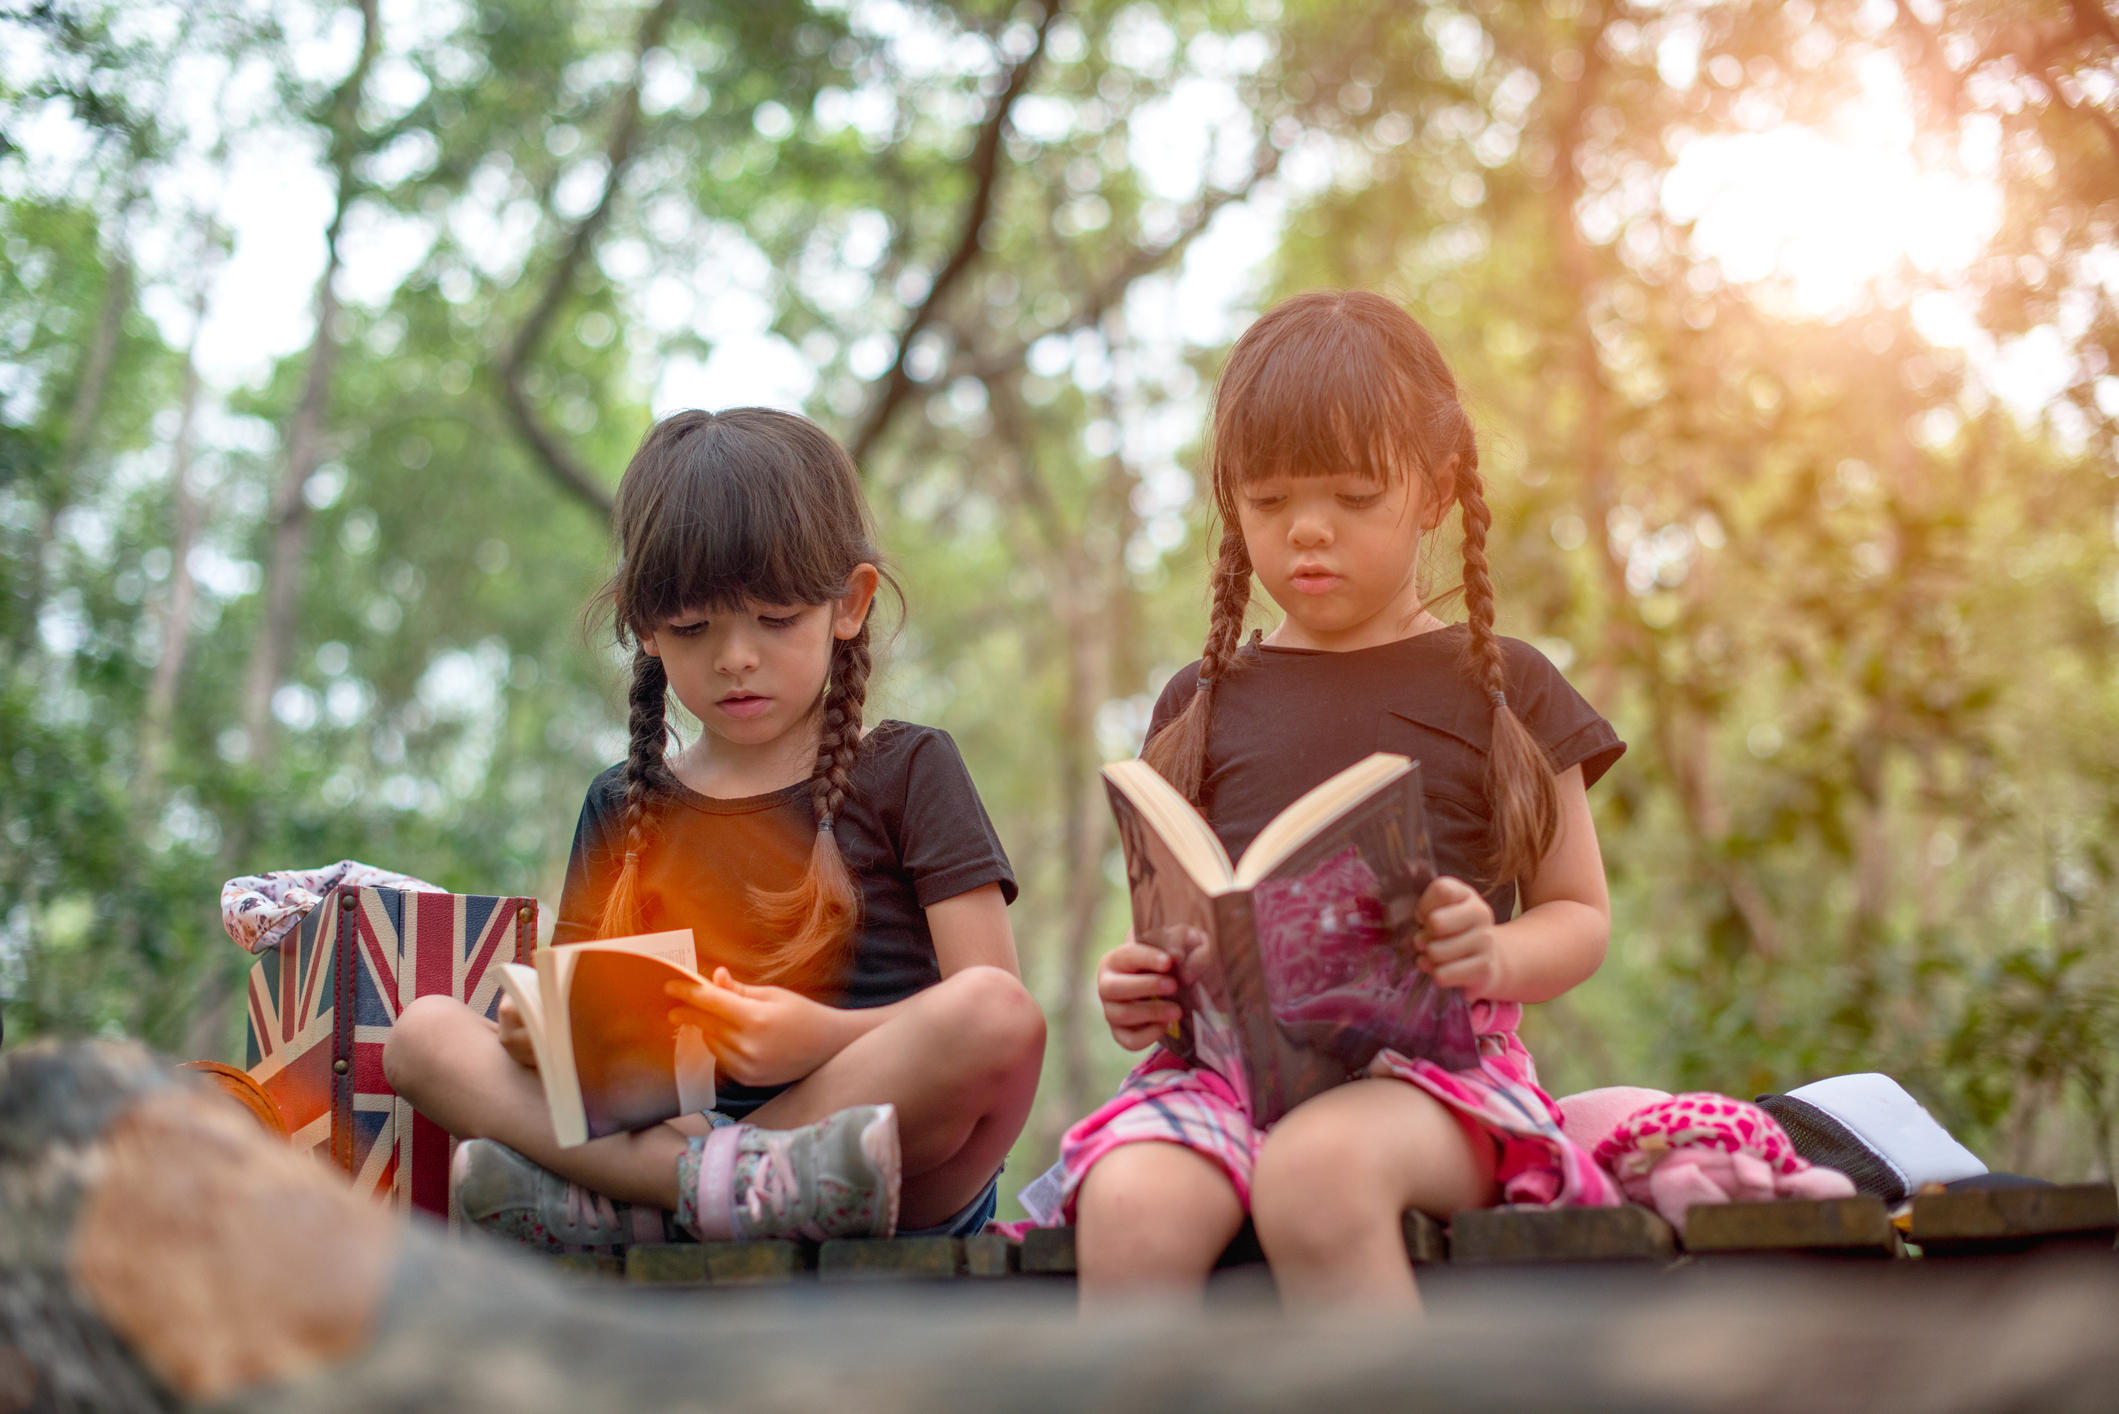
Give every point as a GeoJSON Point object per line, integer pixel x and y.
{"type": "Point", "coordinates": [326, 329]}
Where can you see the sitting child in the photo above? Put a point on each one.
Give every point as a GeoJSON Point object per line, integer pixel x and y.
{"type": "Point", "coordinates": [1338, 441]}
{"type": "Point", "coordinates": [845, 889]}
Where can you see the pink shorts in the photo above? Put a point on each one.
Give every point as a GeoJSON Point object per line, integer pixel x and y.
{"type": "Point", "coordinates": [1165, 1101]}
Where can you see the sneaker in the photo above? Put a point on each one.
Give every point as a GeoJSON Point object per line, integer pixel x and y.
{"type": "Point", "coordinates": [499, 1191]}
{"type": "Point", "coordinates": [835, 1178]}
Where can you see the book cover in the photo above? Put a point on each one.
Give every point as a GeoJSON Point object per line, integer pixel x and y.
{"type": "Point", "coordinates": [610, 1058]}
{"type": "Point", "coordinates": [1292, 985]}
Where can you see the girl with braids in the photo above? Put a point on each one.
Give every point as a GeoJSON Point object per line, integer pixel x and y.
{"type": "Point", "coordinates": [876, 1051]}
{"type": "Point", "coordinates": [1338, 444]}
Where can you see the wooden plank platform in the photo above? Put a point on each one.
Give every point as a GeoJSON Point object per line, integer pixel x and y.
{"type": "Point", "coordinates": [1983, 1222]}
{"type": "Point", "coordinates": [1999, 1221]}
{"type": "Point", "coordinates": [1628, 1234]}
{"type": "Point", "coordinates": [717, 1263]}
{"type": "Point", "coordinates": [892, 1259]}
{"type": "Point", "coordinates": [1839, 1227]}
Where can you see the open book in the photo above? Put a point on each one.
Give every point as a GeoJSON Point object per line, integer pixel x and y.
{"type": "Point", "coordinates": [610, 1058]}
{"type": "Point", "coordinates": [1295, 965]}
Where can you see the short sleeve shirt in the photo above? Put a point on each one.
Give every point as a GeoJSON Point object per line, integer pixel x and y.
{"type": "Point", "coordinates": [913, 832]}
{"type": "Point", "coordinates": [1287, 719]}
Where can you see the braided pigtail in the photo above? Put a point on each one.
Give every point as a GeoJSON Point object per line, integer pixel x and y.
{"type": "Point", "coordinates": [1519, 775]}
{"type": "Point", "coordinates": [819, 915]}
{"type": "Point", "coordinates": [645, 772]}
{"type": "Point", "coordinates": [1179, 750]}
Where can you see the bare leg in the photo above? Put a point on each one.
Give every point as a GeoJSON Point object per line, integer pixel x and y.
{"type": "Point", "coordinates": [960, 1062]}
{"type": "Point", "coordinates": [1336, 1175]}
{"type": "Point", "coordinates": [1150, 1220]}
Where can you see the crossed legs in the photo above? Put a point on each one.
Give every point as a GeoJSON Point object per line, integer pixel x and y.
{"type": "Point", "coordinates": [960, 1062]}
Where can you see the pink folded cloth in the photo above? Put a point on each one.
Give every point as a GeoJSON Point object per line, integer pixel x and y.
{"type": "Point", "coordinates": [1588, 1116]}
{"type": "Point", "coordinates": [1707, 1148]}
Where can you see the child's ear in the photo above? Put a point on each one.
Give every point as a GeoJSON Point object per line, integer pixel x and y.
{"type": "Point", "coordinates": [853, 605]}
{"type": "Point", "coordinates": [1441, 495]}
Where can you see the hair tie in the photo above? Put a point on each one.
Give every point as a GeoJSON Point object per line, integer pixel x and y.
{"type": "Point", "coordinates": [1205, 683]}
{"type": "Point", "coordinates": [632, 857]}
{"type": "Point", "coordinates": [824, 826]}
{"type": "Point", "coordinates": [1498, 698]}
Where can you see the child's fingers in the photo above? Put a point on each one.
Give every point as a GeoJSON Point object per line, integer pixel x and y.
{"type": "Point", "coordinates": [1131, 986]}
{"type": "Point", "coordinates": [1127, 1014]}
{"type": "Point", "coordinates": [1453, 919]}
{"type": "Point", "coordinates": [1137, 957]}
{"type": "Point", "coordinates": [720, 1003]}
{"type": "Point", "coordinates": [692, 1016]}
{"type": "Point", "coordinates": [1442, 892]}
{"type": "Point", "coordinates": [726, 980]}
{"type": "Point", "coordinates": [1442, 950]}
{"type": "Point", "coordinates": [1473, 974]}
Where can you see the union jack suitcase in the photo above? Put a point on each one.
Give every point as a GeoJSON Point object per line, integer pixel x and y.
{"type": "Point", "coordinates": [322, 1003]}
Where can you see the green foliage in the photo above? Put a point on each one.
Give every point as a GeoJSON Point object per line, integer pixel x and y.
{"type": "Point", "coordinates": [1854, 618]}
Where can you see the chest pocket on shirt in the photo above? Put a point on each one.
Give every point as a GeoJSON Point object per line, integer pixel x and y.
{"type": "Point", "coordinates": [1450, 746]}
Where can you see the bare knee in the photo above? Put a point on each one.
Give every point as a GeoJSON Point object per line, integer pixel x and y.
{"type": "Point", "coordinates": [422, 1037]}
{"type": "Point", "coordinates": [1317, 1185]}
{"type": "Point", "coordinates": [1338, 1172]}
{"type": "Point", "coordinates": [989, 1020]}
{"type": "Point", "coordinates": [1153, 1214]}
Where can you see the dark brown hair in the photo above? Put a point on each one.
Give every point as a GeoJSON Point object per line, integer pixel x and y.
{"type": "Point", "coordinates": [716, 509]}
{"type": "Point", "coordinates": [1342, 380]}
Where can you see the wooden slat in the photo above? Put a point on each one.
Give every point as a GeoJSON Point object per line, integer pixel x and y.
{"type": "Point", "coordinates": [1491, 1235]}
{"type": "Point", "coordinates": [903, 1258]}
{"type": "Point", "coordinates": [715, 1263]}
{"type": "Point", "coordinates": [1426, 1241]}
{"type": "Point", "coordinates": [1048, 1251]}
{"type": "Point", "coordinates": [1857, 1226]}
{"type": "Point", "coordinates": [991, 1255]}
{"type": "Point", "coordinates": [1998, 1220]}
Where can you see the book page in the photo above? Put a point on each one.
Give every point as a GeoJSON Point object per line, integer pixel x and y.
{"type": "Point", "coordinates": [1191, 842]}
{"type": "Point", "coordinates": [674, 947]}
{"type": "Point", "coordinates": [633, 1065]}
{"type": "Point", "coordinates": [555, 1072]}
{"type": "Point", "coordinates": [1175, 914]}
{"type": "Point", "coordinates": [1313, 811]}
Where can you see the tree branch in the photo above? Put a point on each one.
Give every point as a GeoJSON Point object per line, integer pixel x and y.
{"type": "Point", "coordinates": [986, 171]}
{"type": "Point", "coordinates": [1142, 262]}
{"type": "Point", "coordinates": [559, 460]}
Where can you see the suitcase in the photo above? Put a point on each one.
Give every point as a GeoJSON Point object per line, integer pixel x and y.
{"type": "Point", "coordinates": [322, 1003]}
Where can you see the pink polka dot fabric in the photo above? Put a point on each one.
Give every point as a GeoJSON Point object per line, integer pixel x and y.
{"type": "Point", "coordinates": [1704, 1148]}
{"type": "Point", "coordinates": [1700, 1119]}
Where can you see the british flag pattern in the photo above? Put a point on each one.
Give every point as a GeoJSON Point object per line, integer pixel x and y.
{"type": "Point", "coordinates": [322, 1003]}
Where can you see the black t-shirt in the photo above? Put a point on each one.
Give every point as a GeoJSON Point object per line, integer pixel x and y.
{"type": "Point", "coordinates": [913, 833]}
{"type": "Point", "coordinates": [1287, 719]}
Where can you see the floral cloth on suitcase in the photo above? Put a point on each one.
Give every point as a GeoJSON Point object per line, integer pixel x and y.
{"type": "Point", "coordinates": [260, 909]}
{"type": "Point", "coordinates": [1164, 1101]}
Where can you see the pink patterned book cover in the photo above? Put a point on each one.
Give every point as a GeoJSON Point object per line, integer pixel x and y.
{"type": "Point", "coordinates": [1294, 979]}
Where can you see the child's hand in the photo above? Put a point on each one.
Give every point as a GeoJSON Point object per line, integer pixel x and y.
{"type": "Point", "coordinates": [759, 1035]}
{"type": "Point", "coordinates": [514, 1036]}
{"type": "Point", "coordinates": [1458, 941]}
{"type": "Point", "coordinates": [1135, 982]}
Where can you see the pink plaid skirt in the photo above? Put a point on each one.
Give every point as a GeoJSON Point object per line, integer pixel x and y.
{"type": "Point", "coordinates": [1165, 1101]}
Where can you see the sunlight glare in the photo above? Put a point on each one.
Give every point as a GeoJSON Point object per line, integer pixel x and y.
{"type": "Point", "coordinates": [1829, 212]}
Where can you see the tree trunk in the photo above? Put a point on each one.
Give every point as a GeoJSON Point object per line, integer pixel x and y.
{"type": "Point", "coordinates": [289, 517]}
{"type": "Point", "coordinates": [290, 521]}
{"type": "Point", "coordinates": [80, 427]}
{"type": "Point", "coordinates": [176, 609]}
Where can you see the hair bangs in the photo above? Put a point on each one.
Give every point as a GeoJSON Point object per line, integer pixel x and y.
{"type": "Point", "coordinates": [1316, 394]}
{"type": "Point", "coordinates": [749, 505]}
